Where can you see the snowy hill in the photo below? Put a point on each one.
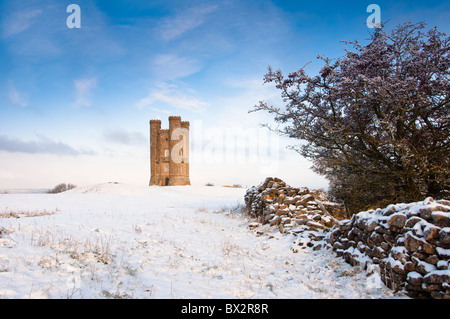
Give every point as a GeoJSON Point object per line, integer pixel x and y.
{"type": "Point", "coordinates": [115, 188]}
{"type": "Point", "coordinates": [120, 241]}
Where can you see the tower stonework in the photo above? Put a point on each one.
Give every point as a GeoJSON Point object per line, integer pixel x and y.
{"type": "Point", "coordinates": [169, 153]}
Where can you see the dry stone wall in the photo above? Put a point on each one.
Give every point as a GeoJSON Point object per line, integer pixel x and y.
{"type": "Point", "coordinates": [409, 242]}
{"type": "Point", "coordinates": [275, 203]}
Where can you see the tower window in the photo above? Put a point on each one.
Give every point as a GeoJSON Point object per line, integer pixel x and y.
{"type": "Point", "coordinates": [166, 168]}
{"type": "Point", "coordinates": [166, 153]}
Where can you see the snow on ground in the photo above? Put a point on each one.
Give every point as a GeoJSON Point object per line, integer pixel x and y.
{"type": "Point", "coordinates": [120, 241]}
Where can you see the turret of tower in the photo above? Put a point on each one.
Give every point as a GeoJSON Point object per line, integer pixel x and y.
{"type": "Point", "coordinates": [185, 124]}
{"type": "Point", "coordinates": [174, 125]}
{"type": "Point", "coordinates": [185, 157]}
{"type": "Point", "coordinates": [178, 132]}
{"type": "Point", "coordinates": [164, 155]}
{"type": "Point", "coordinates": [155, 127]}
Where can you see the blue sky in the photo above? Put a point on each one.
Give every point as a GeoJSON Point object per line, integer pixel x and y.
{"type": "Point", "coordinates": [75, 103]}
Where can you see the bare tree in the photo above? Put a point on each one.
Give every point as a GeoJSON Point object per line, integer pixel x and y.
{"type": "Point", "coordinates": [376, 120]}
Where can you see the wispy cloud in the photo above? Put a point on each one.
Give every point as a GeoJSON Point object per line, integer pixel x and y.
{"type": "Point", "coordinates": [174, 96]}
{"type": "Point", "coordinates": [184, 21]}
{"type": "Point", "coordinates": [42, 146]}
{"type": "Point", "coordinates": [19, 21]}
{"type": "Point", "coordinates": [37, 30]}
{"type": "Point", "coordinates": [15, 97]}
{"type": "Point", "coordinates": [83, 88]}
{"type": "Point", "coordinates": [120, 136]}
{"type": "Point", "coordinates": [172, 66]}
{"type": "Point", "coordinates": [31, 29]}
{"type": "Point", "coordinates": [6, 175]}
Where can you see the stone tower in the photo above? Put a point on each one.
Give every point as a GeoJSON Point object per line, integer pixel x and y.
{"type": "Point", "coordinates": [169, 153]}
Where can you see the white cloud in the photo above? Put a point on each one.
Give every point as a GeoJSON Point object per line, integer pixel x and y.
{"type": "Point", "coordinates": [19, 21]}
{"type": "Point", "coordinates": [184, 21]}
{"type": "Point", "coordinates": [246, 92]}
{"type": "Point", "coordinates": [15, 97]}
{"type": "Point", "coordinates": [30, 28]}
{"type": "Point", "coordinates": [6, 175]}
{"type": "Point", "coordinates": [83, 89]}
{"type": "Point", "coordinates": [172, 66]}
{"type": "Point", "coordinates": [43, 145]}
{"type": "Point", "coordinates": [174, 96]}
{"type": "Point", "coordinates": [121, 136]}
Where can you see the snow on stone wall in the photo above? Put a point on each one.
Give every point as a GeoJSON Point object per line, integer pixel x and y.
{"type": "Point", "coordinates": [409, 242]}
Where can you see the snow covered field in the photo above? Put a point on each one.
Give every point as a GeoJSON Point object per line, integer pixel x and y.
{"type": "Point", "coordinates": [120, 241]}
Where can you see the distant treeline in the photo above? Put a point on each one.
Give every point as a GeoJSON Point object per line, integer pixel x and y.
{"type": "Point", "coordinates": [61, 188]}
